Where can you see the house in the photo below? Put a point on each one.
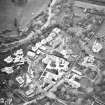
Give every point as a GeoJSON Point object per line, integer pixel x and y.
{"type": "Point", "coordinates": [63, 64]}
{"type": "Point", "coordinates": [74, 80]}
{"type": "Point", "coordinates": [96, 47]}
{"type": "Point", "coordinates": [53, 34]}
{"type": "Point", "coordinates": [30, 92]}
{"type": "Point", "coordinates": [19, 52]}
{"type": "Point", "coordinates": [88, 61]}
{"type": "Point", "coordinates": [20, 80]}
{"type": "Point", "coordinates": [60, 63]}
{"type": "Point", "coordinates": [8, 70]}
{"type": "Point", "coordinates": [34, 48]}
{"type": "Point", "coordinates": [47, 85]}
{"type": "Point", "coordinates": [39, 44]}
{"type": "Point", "coordinates": [76, 71]}
{"type": "Point", "coordinates": [9, 59]}
{"type": "Point", "coordinates": [43, 48]}
{"type": "Point", "coordinates": [28, 79]}
{"type": "Point", "coordinates": [50, 37]}
{"type": "Point", "coordinates": [51, 76]}
{"type": "Point", "coordinates": [31, 54]}
{"type": "Point", "coordinates": [48, 80]}
{"type": "Point", "coordinates": [43, 41]}
{"type": "Point", "coordinates": [56, 30]}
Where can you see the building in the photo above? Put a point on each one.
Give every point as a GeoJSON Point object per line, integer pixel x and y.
{"type": "Point", "coordinates": [9, 59]}
{"type": "Point", "coordinates": [20, 80]}
{"type": "Point", "coordinates": [31, 54]}
{"type": "Point", "coordinates": [96, 47]}
{"type": "Point", "coordinates": [55, 69]}
{"type": "Point", "coordinates": [56, 30]}
{"type": "Point", "coordinates": [47, 85]}
{"type": "Point", "coordinates": [76, 71]}
{"type": "Point", "coordinates": [54, 62]}
{"type": "Point", "coordinates": [19, 52]}
{"type": "Point", "coordinates": [88, 61]}
{"type": "Point", "coordinates": [8, 70]}
{"type": "Point", "coordinates": [73, 80]}
{"type": "Point", "coordinates": [43, 41]}
{"type": "Point", "coordinates": [34, 48]}
{"type": "Point", "coordinates": [29, 93]}
{"type": "Point", "coordinates": [28, 79]}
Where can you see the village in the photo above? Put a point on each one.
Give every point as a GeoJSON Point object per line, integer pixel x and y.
{"type": "Point", "coordinates": [66, 58]}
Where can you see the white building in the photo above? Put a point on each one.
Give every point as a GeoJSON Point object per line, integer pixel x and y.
{"type": "Point", "coordinates": [74, 69]}
{"type": "Point", "coordinates": [31, 54]}
{"type": "Point", "coordinates": [9, 59]}
{"type": "Point", "coordinates": [43, 41]}
{"type": "Point", "coordinates": [74, 80]}
{"type": "Point", "coordinates": [28, 79]}
{"type": "Point", "coordinates": [39, 44]}
{"type": "Point", "coordinates": [34, 48]}
{"type": "Point", "coordinates": [29, 92]}
{"type": "Point", "coordinates": [20, 80]}
{"type": "Point", "coordinates": [19, 52]}
{"type": "Point", "coordinates": [43, 48]}
{"type": "Point", "coordinates": [60, 62]}
{"type": "Point", "coordinates": [46, 85]}
{"type": "Point", "coordinates": [56, 30]}
{"type": "Point", "coordinates": [96, 47]}
{"type": "Point", "coordinates": [49, 38]}
{"type": "Point", "coordinates": [8, 70]}
{"type": "Point", "coordinates": [63, 64]}
{"type": "Point", "coordinates": [51, 76]}
{"type": "Point", "coordinates": [2, 100]}
{"type": "Point", "coordinates": [19, 58]}
{"type": "Point", "coordinates": [52, 35]}
{"type": "Point", "coordinates": [88, 61]}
